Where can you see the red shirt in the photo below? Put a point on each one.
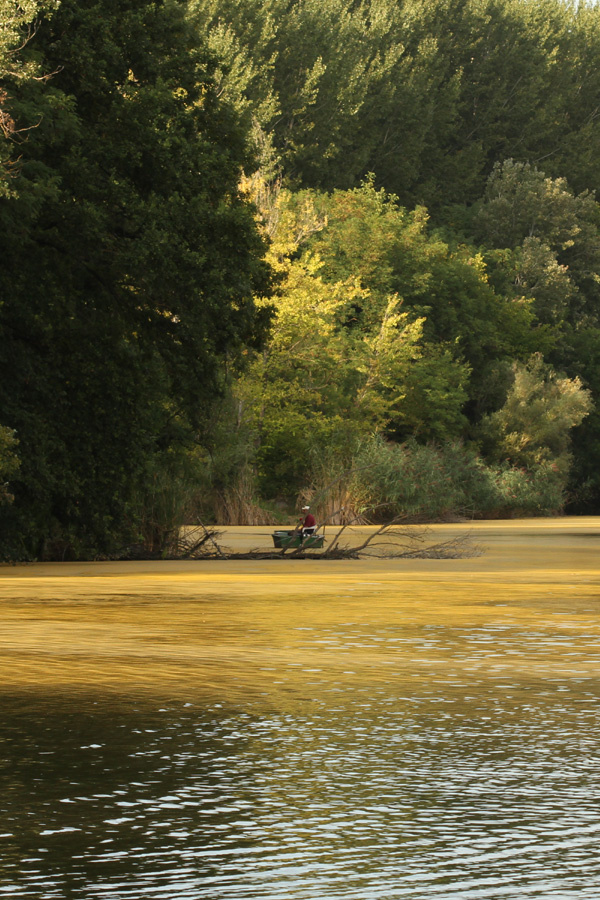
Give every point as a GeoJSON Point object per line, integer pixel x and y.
{"type": "Point", "coordinates": [309, 521]}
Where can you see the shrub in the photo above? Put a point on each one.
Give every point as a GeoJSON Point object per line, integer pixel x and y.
{"type": "Point", "coordinates": [428, 482]}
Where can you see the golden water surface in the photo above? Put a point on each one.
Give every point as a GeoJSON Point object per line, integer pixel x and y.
{"type": "Point", "coordinates": [306, 729]}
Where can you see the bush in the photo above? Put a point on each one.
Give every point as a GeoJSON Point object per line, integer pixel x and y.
{"type": "Point", "coordinates": [538, 491]}
{"type": "Point", "coordinates": [429, 482]}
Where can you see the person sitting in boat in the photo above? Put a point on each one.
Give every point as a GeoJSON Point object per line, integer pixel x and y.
{"type": "Point", "coordinates": [308, 523]}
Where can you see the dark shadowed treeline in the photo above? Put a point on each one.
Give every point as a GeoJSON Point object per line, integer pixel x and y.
{"type": "Point", "coordinates": [421, 338]}
{"type": "Point", "coordinates": [129, 266]}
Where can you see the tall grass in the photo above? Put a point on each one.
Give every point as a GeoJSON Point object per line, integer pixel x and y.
{"type": "Point", "coordinates": [382, 481]}
{"type": "Point", "coordinates": [238, 503]}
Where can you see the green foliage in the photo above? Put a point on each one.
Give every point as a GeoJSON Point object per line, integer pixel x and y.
{"type": "Point", "coordinates": [578, 354]}
{"type": "Point", "coordinates": [541, 408]}
{"type": "Point", "coordinates": [317, 383]}
{"type": "Point", "coordinates": [552, 260]}
{"type": "Point", "coordinates": [430, 481]}
{"type": "Point", "coordinates": [531, 492]}
{"type": "Point", "coordinates": [338, 357]}
{"type": "Point", "coordinates": [130, 266]}
{"type": "Point", "coordinates": [379, 327]}
{"type": "Point", "coordinates": [171, 496]}
{"type": "Point", "coordinates": [555, 236]}
{"type": "Point", "coordinates": [392, 250]}
{"type": "Point", "coordinates": [435, 396]}
{"type": "Point", "coordinates": [143, 366]}
{"type": "Point", "coordinates": [468, 326]}
{"type": "Point", "coordinates": [521, 202]}
{"type": "Point", "coordinates": [427, 94]}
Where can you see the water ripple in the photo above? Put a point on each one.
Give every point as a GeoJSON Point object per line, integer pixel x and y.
{"type": "Point", "coordinates": [377, 761]}
{"type": "Point", "coordinates": [387, 798]}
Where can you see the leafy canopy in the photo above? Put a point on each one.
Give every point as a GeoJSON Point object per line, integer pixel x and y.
{"type": "Point", "coordinates": [130, 264]}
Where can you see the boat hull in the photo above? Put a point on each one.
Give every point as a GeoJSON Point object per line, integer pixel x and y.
{"type": "Point", "coordinates": [289, 540]}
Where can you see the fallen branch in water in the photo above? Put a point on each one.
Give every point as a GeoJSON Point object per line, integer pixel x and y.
{"type": "Point", "coordinates": [459, 547]}
{"type": "Point", "coordinates": [390, 541]}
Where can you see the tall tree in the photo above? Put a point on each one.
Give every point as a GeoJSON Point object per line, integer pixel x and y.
{"type": "Point", "coordinates": [130, 264]}
{"type": "Point", "coordinates": [427, 94]}
{"type": "Point", "coordinates": [555, 235]}
{"type": "Point", "coordinates": [533, 426]}
{"type": "Point", "coordinates": [467, 325]}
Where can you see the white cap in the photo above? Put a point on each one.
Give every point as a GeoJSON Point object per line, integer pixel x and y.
{"type": "Point", "coordinates": [306, 507]}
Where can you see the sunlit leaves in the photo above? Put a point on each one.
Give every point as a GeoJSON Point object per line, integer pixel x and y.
{"type": "Point", "coordinates": [540, 410]}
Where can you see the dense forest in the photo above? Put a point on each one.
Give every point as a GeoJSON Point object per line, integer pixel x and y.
{"type": "Point", "coordinates": [258, 252]}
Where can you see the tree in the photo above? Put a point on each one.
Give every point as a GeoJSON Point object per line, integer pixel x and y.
{"type": "Point", "coordinates": [317, 384]}
{"type": "Point", "coordinates": [378, 328]}
{"type": "Point", "coordinates": [394, 251]}
{"type": "Point", "coordinates": [552, 257]}
{"type": "Point", "coordinates": [130, 264]}
{"type": "Point", "coordinates": [533, 426]}
{"type": "Point", "coordinates": [314, 74]}
{"type": "Point", "coordinates": [427, 94]}
{"type": "Point", "coordinates": [555, 235]}
{"type": "Point", "coordinates": [319, 381]}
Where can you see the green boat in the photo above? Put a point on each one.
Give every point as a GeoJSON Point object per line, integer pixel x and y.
{"type": "Point", "coordinates": [289, 540]}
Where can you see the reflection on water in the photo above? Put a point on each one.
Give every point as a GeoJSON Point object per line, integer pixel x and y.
{"type": "Point", "coordinates": [361, 742]}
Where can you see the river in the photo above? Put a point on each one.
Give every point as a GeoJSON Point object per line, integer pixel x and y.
{"type": "Point", "coordinates": [306, 730]}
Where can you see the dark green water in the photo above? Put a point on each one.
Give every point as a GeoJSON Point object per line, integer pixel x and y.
{"type": "Point", "coordinates": [446, 793]}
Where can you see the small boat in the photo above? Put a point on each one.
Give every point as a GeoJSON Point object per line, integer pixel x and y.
{"type": "Point", "coordinates": [285, 540]}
